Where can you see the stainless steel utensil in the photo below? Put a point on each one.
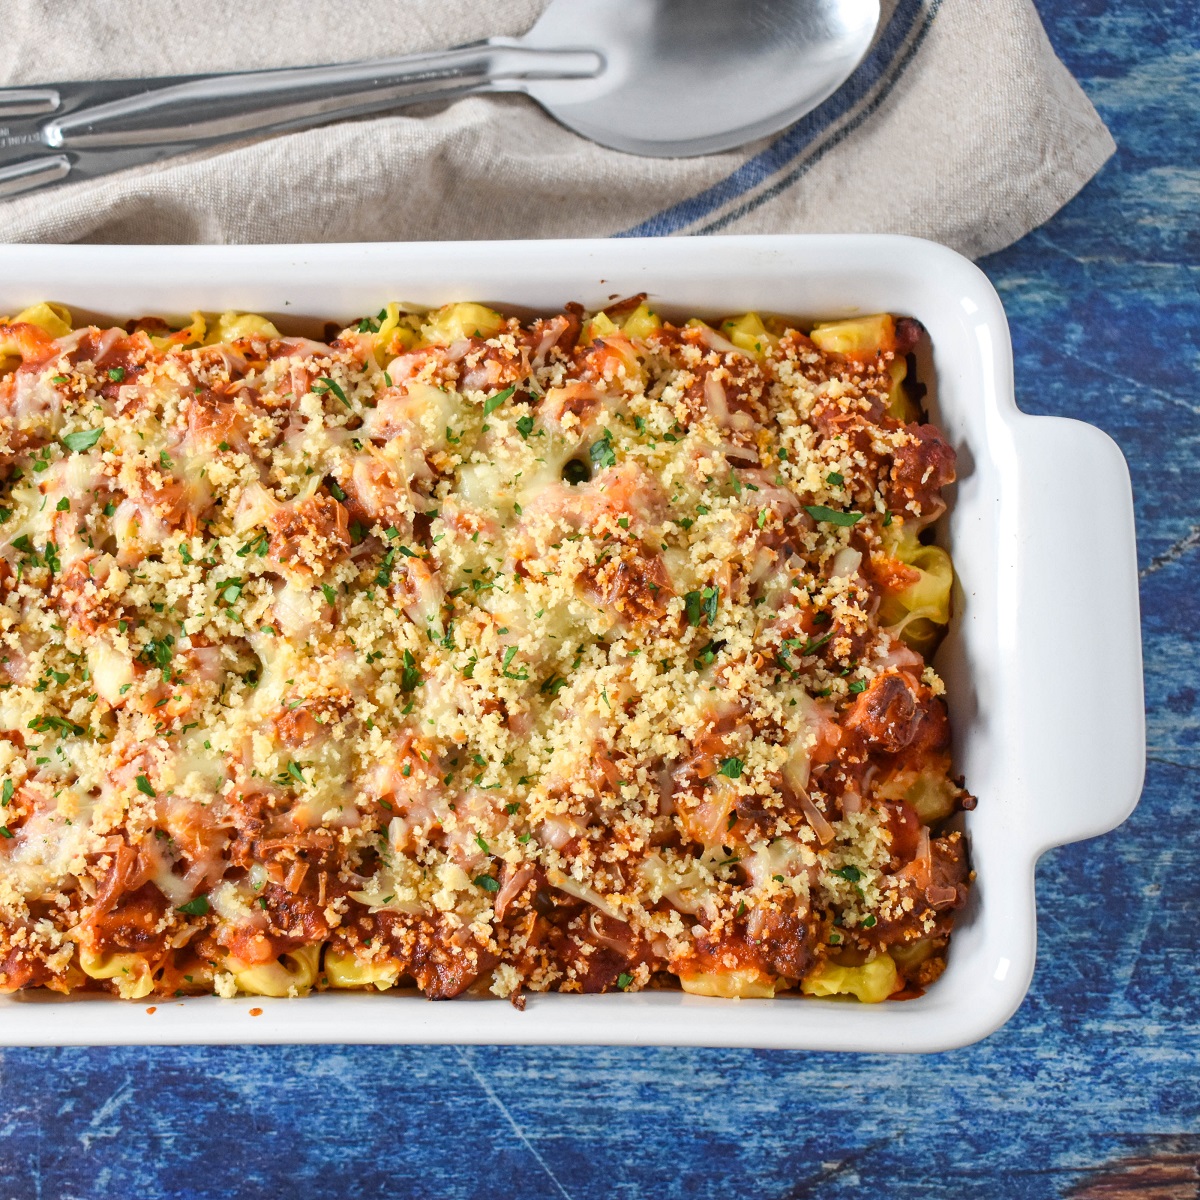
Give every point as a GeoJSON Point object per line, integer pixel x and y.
{"type": "Point", "coordinates": [668, 78]}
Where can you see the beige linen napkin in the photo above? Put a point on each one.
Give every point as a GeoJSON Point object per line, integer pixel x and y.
{"type": "Point", "coordinates": [961, 125]}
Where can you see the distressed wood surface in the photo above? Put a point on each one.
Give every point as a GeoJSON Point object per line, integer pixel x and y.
{"type": "Point", "coordinates": [1092, 1089]}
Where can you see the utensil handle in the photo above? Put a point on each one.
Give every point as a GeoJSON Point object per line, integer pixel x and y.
{"type": "Point", "coordinates": [222, 107]}
{"type": "Point", "coordinates": [1085, 726]}
{"type": "Point", "coordinates": [32, 173]}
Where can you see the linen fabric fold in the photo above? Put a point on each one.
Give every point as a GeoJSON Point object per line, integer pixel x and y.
{"type": "Point", "coordinates": [961, 125]}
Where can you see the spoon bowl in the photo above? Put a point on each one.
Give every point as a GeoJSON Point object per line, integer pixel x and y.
{"type": "Point", "coordinates": [689, 77]}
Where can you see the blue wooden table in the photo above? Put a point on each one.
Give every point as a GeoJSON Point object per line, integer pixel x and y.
{"type": "Point", "coordinates": [1092, 1090]}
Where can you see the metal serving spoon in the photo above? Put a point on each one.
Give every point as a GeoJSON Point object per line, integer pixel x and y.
{"type": "Point", "coordinates": [669, 78]}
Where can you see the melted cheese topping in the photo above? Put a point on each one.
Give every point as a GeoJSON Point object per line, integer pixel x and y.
{"type": "Point", "coordinates": [478, 653]}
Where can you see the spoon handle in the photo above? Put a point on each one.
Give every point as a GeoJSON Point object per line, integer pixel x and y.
{"type": "Point", "coordinates": [220, 107]}
{"type": "Point", "coordinates": [81, 130]}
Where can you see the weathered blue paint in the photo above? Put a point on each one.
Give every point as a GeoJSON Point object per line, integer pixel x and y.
{"type": "Point", "coordinates": [1100, 1066]}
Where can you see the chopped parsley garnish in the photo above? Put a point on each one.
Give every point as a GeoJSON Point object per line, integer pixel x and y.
{"type": "Point", "coordinates": [849, 872]}
{"type": "Point", "coordinates": [601, 452]}
{"type": "Point", "coordinates": [493, 402]}
{"type": "Point", "coordinates": [195, 908]}
{"type": "Point", "coordinates": [509, 655]}
{"type": "Point", "coordinates": [410, 677]}
{"type": "Point", "coordinates": [834, 479]}
{"type": "Point", "coordinates": [329, 593]}
{"type": "Point", "coordinates": [64, 505]}
{"type": "Point", "coordinates": [731, 768]}
{"type": "Point", "coordinates": [831, 516]}
{"type": "Point", "coordinates": [85, 439]}
{"type": "Point", "coordinates": [525, 426]}
{"type": "Point", "coordinates": [259, 545]}
{"type": "Point", "coordinates": [116, 374]}
{"type": "Point", "coordinates": [5, 831]}
{"type": "Point", "coordinates": [158, 651]}
{"type": "Point", "coordinates": [45, 724]}
{"type": "Point", "coordinates": [325, 384]}
{"type": "Point", "coordinates": [144, 786]}
{"type": "Point", "coordinates": [859, 685]}
{"type": "Point", "coordinates": [481, 843]}
{"type": "Point", "coordinates": [487, 883]}
{"type": "Point", "coordinates": [624, 980]}
{"type": "Point", "coordinates": [701, 604]}
{"type": "Point", "coordinates": [384, 575]}
{"type": "Point", "coordinates": [805, 648]}
{"type": "Point", "coordinates": [6, 793]}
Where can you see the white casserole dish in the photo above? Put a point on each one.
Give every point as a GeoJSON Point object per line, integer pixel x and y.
{"type": "Point", "coordinates": [1042, 663]}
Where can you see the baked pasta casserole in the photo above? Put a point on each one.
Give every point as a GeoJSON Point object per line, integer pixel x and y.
{"type": "Point", "coordinates": [584, 653]}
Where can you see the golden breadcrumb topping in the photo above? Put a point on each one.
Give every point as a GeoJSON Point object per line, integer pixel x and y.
{"type": "Point", "coordinates": [582, 653]}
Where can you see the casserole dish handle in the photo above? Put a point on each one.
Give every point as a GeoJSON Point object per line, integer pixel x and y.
{"type": "Point", "coordinates": [1081, 708]}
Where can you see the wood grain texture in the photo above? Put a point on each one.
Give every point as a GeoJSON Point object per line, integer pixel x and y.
{"type": "Point", "coordinates": [1091, 1091]}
